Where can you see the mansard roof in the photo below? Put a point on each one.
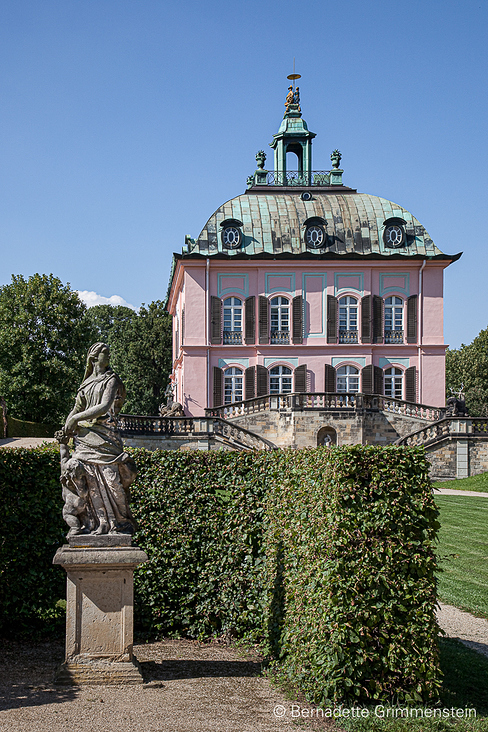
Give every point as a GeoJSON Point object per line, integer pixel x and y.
{"type": "Point", "coordinates": [274, 222]}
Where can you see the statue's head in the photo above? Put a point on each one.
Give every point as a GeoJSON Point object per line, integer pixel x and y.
{"type": "Point", "coordinates": [98, 352]}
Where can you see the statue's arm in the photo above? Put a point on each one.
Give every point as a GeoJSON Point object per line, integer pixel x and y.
{"type": "Point", "coordinates": [97, 410]}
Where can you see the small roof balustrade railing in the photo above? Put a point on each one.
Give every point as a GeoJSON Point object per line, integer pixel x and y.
{"type": "Point", "coordinates": [298, 178]}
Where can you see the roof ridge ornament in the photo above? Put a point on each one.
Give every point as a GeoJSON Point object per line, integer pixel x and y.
{"type": "Point", "coordinates": [292, 101]}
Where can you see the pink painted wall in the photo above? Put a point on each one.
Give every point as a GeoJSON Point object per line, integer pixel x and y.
{"type": "Point", "coordinates": [314, 280]}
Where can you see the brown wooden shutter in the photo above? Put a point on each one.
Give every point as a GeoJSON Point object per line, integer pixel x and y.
{"type": "Point", "coordinates": [377, 380]}
{"type": "Point", "coordinates": [330, 378]}
{"type": "Point", "coordinates": [297, 309]}
{"type": "Point", "coordinates": [367, 379]}
{"type": "Point", "coordinates": [215, 320]}
{"type": "Point", "coordinates": [250, 321]}
{"type": "Point", "coordinates": [301, 379]}
{"type": "Point", "coordinates": [183, 326]}
{"type": "Point", "coordinates": [411, 384]}
{"type": "Point", "coordinates": [263, 319]}
{"type": "Point", "coordinates": [250, 382]}
{"type": "Point", "coordinates": [218, 383]}
{"type": "Point", "coordinates": [377, 319]}
{"type": "Point", "coordinates": [366, 319]}
{"type": "Point", "coordinates": [412, 319]}
{"type": "Point", "coordinates": [261, 381]}
{"type": "Point", "coordinates": [331, 319]}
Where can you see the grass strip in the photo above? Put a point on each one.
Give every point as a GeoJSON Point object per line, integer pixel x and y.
{"type": "Point", "coordinates": [463, 552]}
{"type": "Point", "coordinates": [473, 483]}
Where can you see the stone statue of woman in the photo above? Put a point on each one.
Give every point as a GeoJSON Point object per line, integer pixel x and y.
{"type": "Point", "coordinates": [96, 476]}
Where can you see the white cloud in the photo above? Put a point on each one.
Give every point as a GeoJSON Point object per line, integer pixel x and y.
{"type": "Point", "coordinates": [92, 298]}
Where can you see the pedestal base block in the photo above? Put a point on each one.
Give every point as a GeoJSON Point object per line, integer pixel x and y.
{"type": "Point", "coordinates": [97, 673]}
{"type": "Point", "coordinates": [99, 612]}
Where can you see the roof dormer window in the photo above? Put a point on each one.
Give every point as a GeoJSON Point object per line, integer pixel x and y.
{"type": "Point", "coordinates": [231, 234]}
{"type": "Point", "coordinates": [394, 232]}
{"type": "Point", "coordinates": [315, 235]}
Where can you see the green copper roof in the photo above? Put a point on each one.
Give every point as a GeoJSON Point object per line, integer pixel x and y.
{"type": "Point", "coordinates": [274, 223]}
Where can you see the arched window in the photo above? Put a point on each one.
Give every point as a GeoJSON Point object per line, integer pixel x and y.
{"type": "Point", "coordinates": [347, 379]}
{"type": "Point", "coordinates": [280, 380]}
{"type": "Point", "coordinates": [393, 320]}
{"type": "Point", "coordinates": [232, 385]}
{"type": "Point", "coordinates": [280, 320]}
{"type": "Point", "coordinates": [348, 319]}
{"type": "Point", "coordinates": [232, 320]}
{"type": "Point", "coordinates": [394, 382]}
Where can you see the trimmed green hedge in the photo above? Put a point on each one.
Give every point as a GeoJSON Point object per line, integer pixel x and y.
{"type": "Point", "coordinates": [31, 529]}
{"type": "Point", "coordinates": [324, 556]}
{"type": "Point", "coordinates": [201, 523]}
{"type": "Point", "coordinates": [21, 428]}
{"type": "Point", "coordinates": [352, 586]}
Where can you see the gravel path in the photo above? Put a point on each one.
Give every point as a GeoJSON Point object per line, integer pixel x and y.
{"type": "Point", "coordinates": [190, 687]}
{"type": "Point", "coordinates": [454, 492]}
{"type": "Point", "coordinates": [25, 441]}
{"type": "Point", "coordinates": [471, 631]}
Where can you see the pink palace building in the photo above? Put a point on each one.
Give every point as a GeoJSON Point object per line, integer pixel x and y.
{"type": "Point", "coordinates": [302, 284]}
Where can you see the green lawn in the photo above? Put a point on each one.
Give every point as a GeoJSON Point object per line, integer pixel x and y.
{"type": "Point", "coordinates": [475, 483]}
{"type": "Point", "coordinates": [463, 552]}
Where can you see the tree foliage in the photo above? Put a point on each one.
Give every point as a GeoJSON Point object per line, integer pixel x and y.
{"type": "Point", "coordinates": [43, 343]}
{"type": "Point", "coordinates": [140, 346]}
{"type": "Point", "coordinates": [468, 365]}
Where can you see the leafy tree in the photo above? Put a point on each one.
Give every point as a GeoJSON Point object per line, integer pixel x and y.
{"type": "Point", "coordinates": [468, 365]}
{"type": "Point", "coordinates": [141, 353]}
{"type": "Point", "coordinates": [43, 343]}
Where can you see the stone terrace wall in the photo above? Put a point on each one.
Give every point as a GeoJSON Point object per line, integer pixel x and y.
{"type": "Point", "coordinates": [442, 457]}
{"type": "Point", "coordinates": [297, 428]}
{"type": "Point", "coordinates": [164, 442]}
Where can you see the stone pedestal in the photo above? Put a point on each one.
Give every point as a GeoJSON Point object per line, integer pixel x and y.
{"type": "Point", "coordinates": [99, 611]}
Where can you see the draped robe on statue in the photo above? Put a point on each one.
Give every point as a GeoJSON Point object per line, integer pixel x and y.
{"type": "Point", "coordinates": [98, 472]}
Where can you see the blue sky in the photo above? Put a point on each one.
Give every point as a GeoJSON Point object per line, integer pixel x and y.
{"type": "Point", "coordinates": [125, 123]}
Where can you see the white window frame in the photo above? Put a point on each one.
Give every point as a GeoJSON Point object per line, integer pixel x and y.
{"type": "Point", "coordinates": [394, 313]}
{"type": "Point", "coordinates": [347, 379]}
{"type": "Point", "coordinates": [233, 385]}
{"type": "Point", "coordinates": [348, 307]}
{"type": "Point", "coordinates": [280, 379]}
{"type": "Point", "coordinates": [280, 318]}
{"type": "Point", "coordinates": [232, 315]}
{"type": "Point", "coordinates": [394, 382]}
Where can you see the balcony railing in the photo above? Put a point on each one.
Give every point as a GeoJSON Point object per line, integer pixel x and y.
{"type": "Point", "coordinates": [348, 336]}
{"type": "Point", "coordinates": [231, 337]}
{"type": "Point", "coordinates": [280, 337]}
{"type": "Point", "coordinates": [295, 178]}
{"type": "Point", "coordinates": [393, 336]}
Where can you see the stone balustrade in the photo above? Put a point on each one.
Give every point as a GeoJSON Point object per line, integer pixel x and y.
{"type": "Point", "coordinates": [195, 427]}
{"type": "Point", "coordinates": [449, 426]}
{"type": "Point", "coordinates": [327, 401]}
